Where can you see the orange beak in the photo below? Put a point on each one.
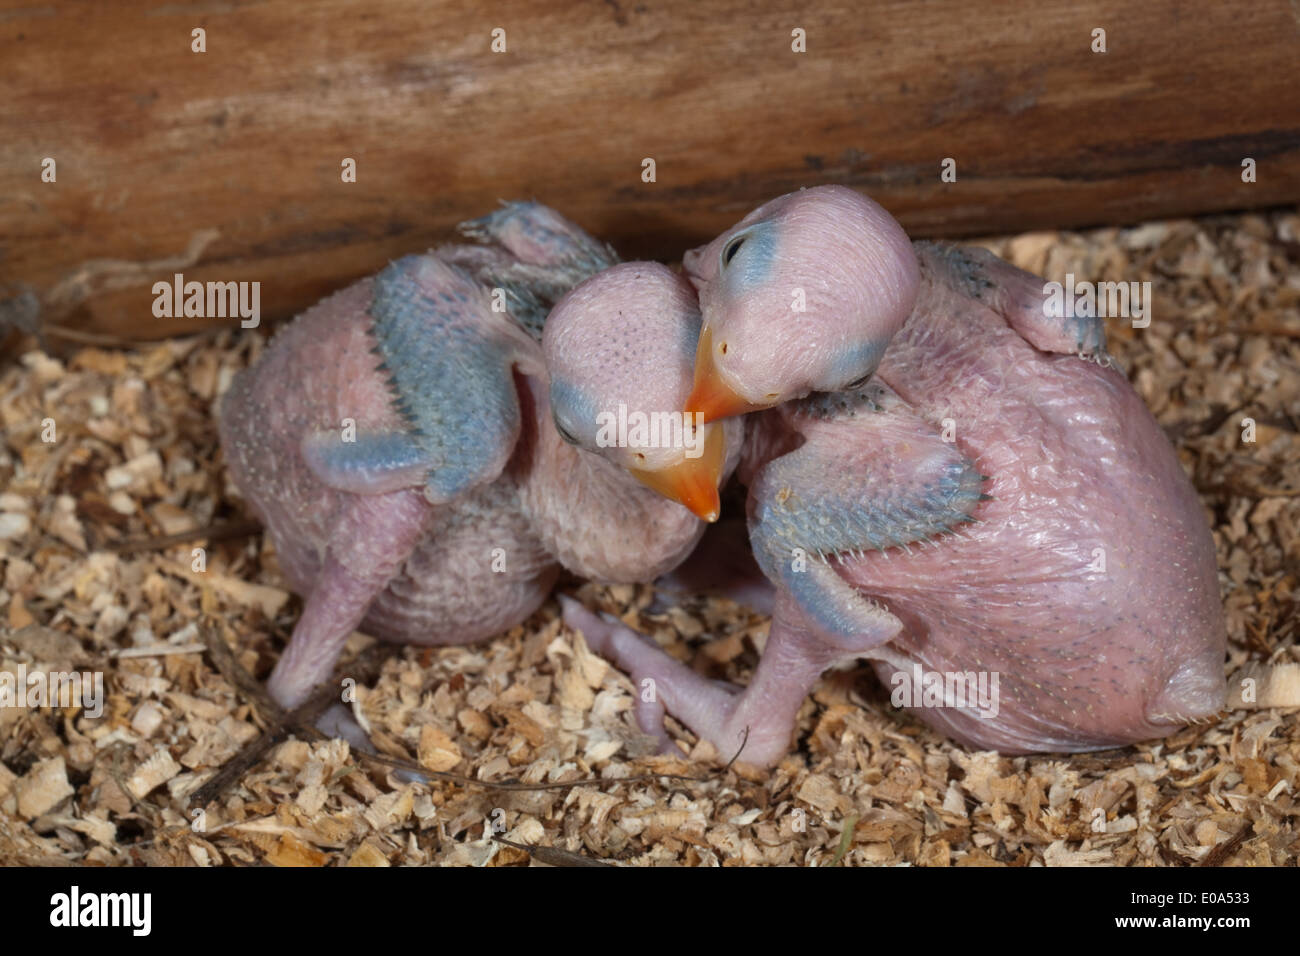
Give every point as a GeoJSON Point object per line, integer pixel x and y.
{"type": "Point", "coordinates": [692, 482]}
{"type": "Point", "coordinates": [712, 397]}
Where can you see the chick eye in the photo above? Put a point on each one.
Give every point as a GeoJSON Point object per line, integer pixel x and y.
{"type": "Point", "coordinates": [564, 432]}
{"type": "Point", "coordinates": [730, 249]}
{"type": "Point", "coordinates": [858, 383]}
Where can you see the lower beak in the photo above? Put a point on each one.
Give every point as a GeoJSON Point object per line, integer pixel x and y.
{"type": "Point", "coordinates": [712, 397]}
{"type": "Point", "coordinates": [692, 482]}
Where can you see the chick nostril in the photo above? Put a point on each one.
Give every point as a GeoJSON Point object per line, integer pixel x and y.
{"type": "Point", "coordinates": [722, 348]}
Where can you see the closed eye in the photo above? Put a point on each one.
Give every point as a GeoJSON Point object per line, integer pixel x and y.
{"type": "Point", "coordinates": [564, 432]}
{"type": "Point", "coordinates": [730, 249]}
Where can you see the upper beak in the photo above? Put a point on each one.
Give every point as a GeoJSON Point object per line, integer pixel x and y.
{"type": "Point", "coordinates": [692, 482]}
{"type": "Point", "coordinates": [712, 397]}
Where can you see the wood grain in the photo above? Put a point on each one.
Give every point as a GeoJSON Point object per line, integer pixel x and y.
{"type": "Point", "coordinates": [155, 143]}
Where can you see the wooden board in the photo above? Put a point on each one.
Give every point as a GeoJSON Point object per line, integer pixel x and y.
{"type": "Point", "coordinates": [236, 152]}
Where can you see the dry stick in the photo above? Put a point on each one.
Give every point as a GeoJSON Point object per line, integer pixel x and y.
{"type": "Point", "coordinates": [280, 723]}
{"type": "Point", "coordinates": [1220, 854]}
{"type": "Point", "coordinates": [216, 532]}
{"type": "Point", "coordinates": [297, 721]}
{"type": "Point", "coordinates": [515, 785]}
{"type": "Point", "coordinates": [252, 752]}
{"type": "Point", "coordinates": [1172, 857]}
{"type": "Point", "coordinates": [34, 316]}
{"type": "Point", "coordinates": [223, 658]}
{"type": "Point", "coordinates": [89, 338]}
{"type": "Point", "coordinates": [301, 720]}
{"type": "Point", "coordinates": [553, 856]}
{"type": "Point", "coordinates": [39, 316]}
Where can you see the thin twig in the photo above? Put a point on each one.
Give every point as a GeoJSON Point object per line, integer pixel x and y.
{"type": "Point", "coordinates": [279, 722]}
{"type": "Point", "coordinates": [302, 720]}
{"type": "Point", "coordinates": [514, 785]}
{"type": "Point", "coordinates": [1224, 851]}
{"type": "Point", "coordinates": [217, 532]}
{"type": "Point", "coordinates": [552, 856]}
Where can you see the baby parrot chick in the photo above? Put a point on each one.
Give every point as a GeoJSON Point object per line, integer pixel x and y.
{"type": "Point", "coordinates": [989, 511]}
{"type": "Point", "coordinates": [397, 442]}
